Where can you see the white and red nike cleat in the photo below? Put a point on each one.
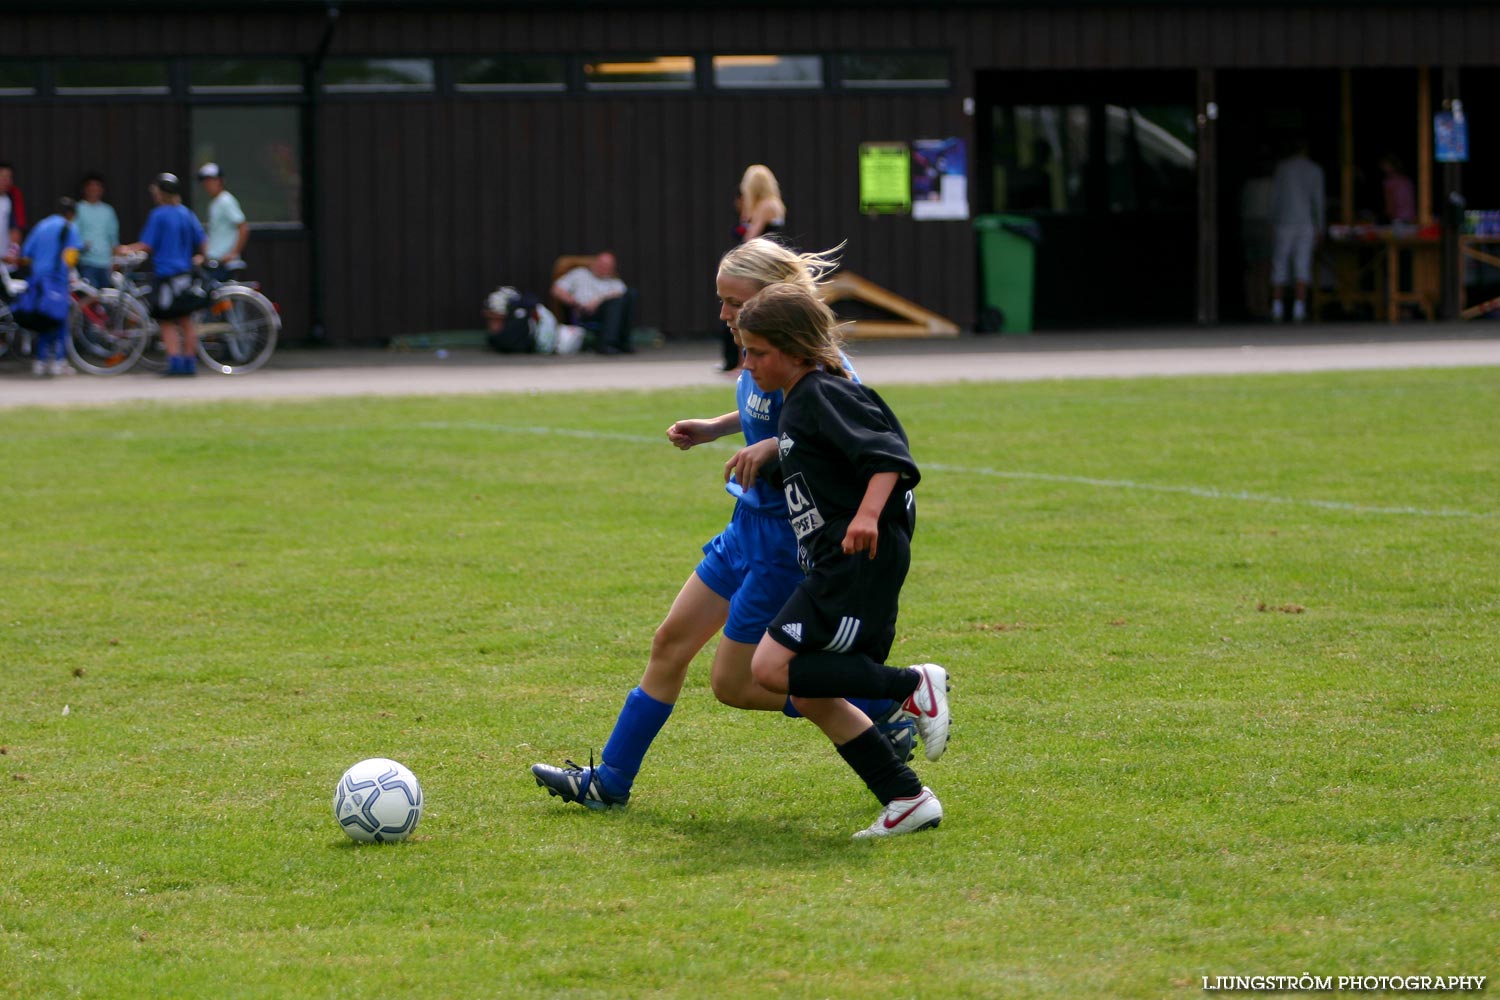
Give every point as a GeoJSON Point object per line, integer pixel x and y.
{"type": "Point", "coordinates": [928, 708]}
{"type": "Point", "coordinates": [920, 812]}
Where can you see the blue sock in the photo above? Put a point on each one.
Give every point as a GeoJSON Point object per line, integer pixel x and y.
{"type": "Point", "coordinates": [639, 722]}
{"type": "Point", "coordinates": [875, 708]}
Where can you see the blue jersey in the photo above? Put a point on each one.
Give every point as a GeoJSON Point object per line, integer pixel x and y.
{"type": "Point", "coordinates": [174, 234]}
{"type": "Point", "coordinates": [760, 416]}
{"type": "Point", "coordinates": [45, 245]}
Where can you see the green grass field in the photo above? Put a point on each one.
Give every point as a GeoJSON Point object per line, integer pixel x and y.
{"type": "Point", "coordinates": [1225, 685]}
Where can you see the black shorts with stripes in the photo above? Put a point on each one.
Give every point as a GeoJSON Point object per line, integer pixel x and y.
{"type": "Point", "coordinates": [848, 604]}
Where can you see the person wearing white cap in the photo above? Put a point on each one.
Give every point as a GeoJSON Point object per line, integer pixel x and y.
{"type": "Point", "coordinates": [226, 225]}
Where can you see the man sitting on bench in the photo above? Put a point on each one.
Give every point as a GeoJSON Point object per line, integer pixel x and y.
{"type": "Point", "coordinates": [596, 297]}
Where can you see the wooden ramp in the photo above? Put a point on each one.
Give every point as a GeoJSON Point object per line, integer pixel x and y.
{"type": "Point", "coordinates": [919, 322]}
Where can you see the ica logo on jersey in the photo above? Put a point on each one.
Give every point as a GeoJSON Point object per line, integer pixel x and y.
{"type": "Point", "coordinates": [800, 506]}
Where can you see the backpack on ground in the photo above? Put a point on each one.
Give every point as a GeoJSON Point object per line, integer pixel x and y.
{"type": "Point", "coordinates": [517, 333]}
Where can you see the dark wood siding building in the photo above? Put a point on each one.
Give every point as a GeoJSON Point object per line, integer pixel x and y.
{"type": "Point", "coordinates": [431, 151]}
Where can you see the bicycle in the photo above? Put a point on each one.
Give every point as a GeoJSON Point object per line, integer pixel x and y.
{"type": "Point", "coordinates": [12, 337]}
{"type": "Point", "coordinates": [238, 329]}
{"type": "Point", "coordinates": [113, 330]}
{"type": "Point", "coordinates": [110, 329]}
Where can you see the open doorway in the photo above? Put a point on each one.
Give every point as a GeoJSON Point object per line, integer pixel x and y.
{"type": "Point", "coordinates": [1260, 112]}
{"type": "Point", "coordinates": [1105, 164]}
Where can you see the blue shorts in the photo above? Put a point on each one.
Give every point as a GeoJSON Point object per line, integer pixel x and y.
{"type": "Point", "coordinates": [753, 565]}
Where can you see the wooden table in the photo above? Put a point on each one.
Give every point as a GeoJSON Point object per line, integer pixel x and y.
{"type": "Point", "coordinates": [1476, 248]}
{"type": "Point", "coordinates": [1367, 270]}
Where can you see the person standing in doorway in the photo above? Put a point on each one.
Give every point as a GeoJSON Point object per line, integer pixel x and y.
{"type": "Point", "coordinates": [1255, 237]}
{"type": "Point", "coordinates": [1399, 194]}
{"type": "Point", "coordinates": [1298, 212]}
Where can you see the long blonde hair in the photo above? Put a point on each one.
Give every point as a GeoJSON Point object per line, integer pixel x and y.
{"type": "Point", "coordinates": [795, 321]}
{"type": "Point", "coordinates": [757, 184]}
{"type": "Point", "coordinates": [765, 262]}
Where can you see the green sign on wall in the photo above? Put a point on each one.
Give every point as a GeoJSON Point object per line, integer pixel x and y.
{"type": "Point", "coordinates": [884, 178]}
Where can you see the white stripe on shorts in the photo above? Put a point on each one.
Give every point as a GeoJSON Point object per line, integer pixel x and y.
{"type": "Point", "coordinates": [843, 639]}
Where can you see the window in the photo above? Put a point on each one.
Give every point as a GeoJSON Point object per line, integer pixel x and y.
{"type": "Point", "coordinates": [903, 70]}
{"type": "Point", "coordinates": [17, 78]}
{"type": "Point", "coordinates": [768, 72]}
{"type": "Point", "coordinates": [1094, 158]}
{"type": "Point", "coordinates": [1153, 158]}
{"type": "Point", "coordinates": [377, 76]}
{"type": "Point", "coordinates": [645, 73]}
{"type": "Point", "coordinates": [76, 78]}
{"type": "Point", "coordinates": [510, 74]}
{"type": "Point", "coordinates": [260, 151]}
{"type": "Point", "coordinates": [245, 76]}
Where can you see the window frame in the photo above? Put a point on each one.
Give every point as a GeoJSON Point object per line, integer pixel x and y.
{"type": "Point", "coordinates": [62, 92]}
{"type": "Point", "coordinates": [585, 60]}
{"type": "Point", "coordinates": [842, 82]}
{"type": "Point", "coordinates": [344, 91]}
{"type": "Point", "coordinates": [460, 89]}
{"type": "Point", "coordinates": [775, 86]}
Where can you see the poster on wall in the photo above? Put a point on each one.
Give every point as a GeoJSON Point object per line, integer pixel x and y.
{"type": "Point", "coordinates": [884, 178]}
{"type": "Point", "coordinates": [1450, 134]}
{"type": "Point", "coordinates": [939, 179]}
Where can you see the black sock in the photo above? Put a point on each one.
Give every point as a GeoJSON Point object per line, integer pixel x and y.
{"type": "Point", "coordinates": [882, 771]}
{"type": "Point", "coordinates": [848, 675]}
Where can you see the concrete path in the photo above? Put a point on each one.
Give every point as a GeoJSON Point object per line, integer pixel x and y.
{"type": "Point", "coordinates": [1130, 354]}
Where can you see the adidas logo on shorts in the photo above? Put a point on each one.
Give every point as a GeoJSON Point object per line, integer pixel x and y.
{"type": "Point", "coordinates": [793, 629]}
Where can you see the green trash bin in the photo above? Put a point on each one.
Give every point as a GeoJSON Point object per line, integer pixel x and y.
{"type": "Point", "coordinates": [1007, 269]}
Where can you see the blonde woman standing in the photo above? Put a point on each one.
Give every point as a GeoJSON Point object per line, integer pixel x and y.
{"type": "Point", "coordinates": [761, 207]}
{"type": "Point", "coordinates": [762, 213]}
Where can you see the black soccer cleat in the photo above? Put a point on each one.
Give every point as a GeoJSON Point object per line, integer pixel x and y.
{"type": "Point", "coordinates": [577, 784]}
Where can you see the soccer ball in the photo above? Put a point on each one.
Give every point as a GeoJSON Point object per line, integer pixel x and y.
{"type": "Point", "coordinates": [378, 800]}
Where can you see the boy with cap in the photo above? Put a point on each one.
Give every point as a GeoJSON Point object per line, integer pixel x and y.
{"type": "Point", "coordinates": [226, 225]}
{"type": "Point", "coordinates": [172, 237]}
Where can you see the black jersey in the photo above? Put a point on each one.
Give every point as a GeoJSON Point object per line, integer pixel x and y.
{"type": "Point", "coordinates": [835, 435]}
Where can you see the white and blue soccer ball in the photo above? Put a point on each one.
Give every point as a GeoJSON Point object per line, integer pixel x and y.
{"type": "Point", "coordinates": [378, 801]}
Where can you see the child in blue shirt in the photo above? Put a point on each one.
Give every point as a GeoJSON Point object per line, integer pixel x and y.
{"type": "Point", "coordinates": [173, 237]}
{"type": "Point", "coordinates": [52, 248]}
{"type": "Point", "coordinates": [99, 228]}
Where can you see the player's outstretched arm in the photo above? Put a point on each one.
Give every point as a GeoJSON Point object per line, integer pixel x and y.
{"type": "Point", "coordinates": [686, 433]}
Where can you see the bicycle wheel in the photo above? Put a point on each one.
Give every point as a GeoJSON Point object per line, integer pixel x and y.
{"type": "Point", "coordinates": [106, 335]}
{"type": "Point", "coordinates": [9, 331]}
{"type": "Point", "coordinates": [237, 332]}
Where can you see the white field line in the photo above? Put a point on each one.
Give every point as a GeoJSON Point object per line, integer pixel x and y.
{"type": "Point", "coordinates": [1204, 492]}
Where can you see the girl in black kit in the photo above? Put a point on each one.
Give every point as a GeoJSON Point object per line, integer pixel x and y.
{"type": "Point", "coordinates": [847, 474]}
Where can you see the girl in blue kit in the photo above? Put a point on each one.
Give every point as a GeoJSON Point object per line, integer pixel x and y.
{"type": "Point", "coordinates": [747, 572]}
